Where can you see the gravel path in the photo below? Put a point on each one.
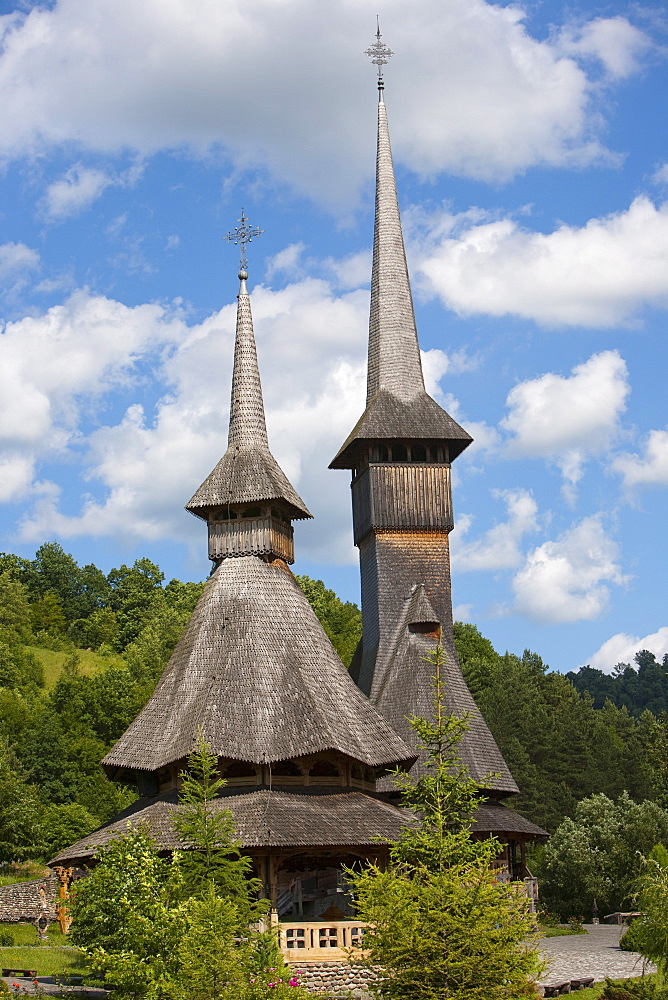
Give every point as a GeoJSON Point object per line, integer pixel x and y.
{"type": "Point", "coordinates": [596, 953]}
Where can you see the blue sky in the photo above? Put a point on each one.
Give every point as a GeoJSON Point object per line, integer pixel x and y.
{"type": "Point", "coordinates": [530, 150]}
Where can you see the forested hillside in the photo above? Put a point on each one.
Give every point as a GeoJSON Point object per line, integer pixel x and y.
{"type": "Point", "coordinates": [81, 651]}
{"type": "Point", "coordinates": [559, 747]}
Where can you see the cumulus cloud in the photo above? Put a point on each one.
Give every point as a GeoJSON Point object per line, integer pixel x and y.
{"type": "Point", "coordinates": [150, 76]}
{"type": "Point", "coordinates": [79, 187]}
{"type": "Point", "coordinates": [75, 191]}
{"type": "Point", "coordinates": [141, 469]}
{"type": "Point", "coordinates": [568, 580]}
{"type": "Point", "coordinates": [618, 45]}
{"type": "Point", "coordinates": [568, 419]}
{"type": "Point", "coordinates": [499, 547]}
{"type": "Point", "coordinates": [661, 174]}
{"type": "Point", "coordinates": [600, 274]}
{"type": "Point", "coordinates": [648, 469]}
{"type": "Point", "coordinates": [16, 475]}
{"type": "Point", "coordinates": [17, 257]}
{"type": "Point", "coordinates": [621, 648]}
{"type": "Point", "coordinates": [17, 261]}
{"type": "Point", "coordinates": [52, 366]}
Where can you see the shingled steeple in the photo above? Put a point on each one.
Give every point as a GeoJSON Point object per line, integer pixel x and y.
{"type": "Point", "coordinates": [400, 453]}
{"type": "Point", "coordinates": [397, 404]}
{"type": "Point", "coordinates": [247, 500]}
{"type": "Point", "coordinates": [254, 671]}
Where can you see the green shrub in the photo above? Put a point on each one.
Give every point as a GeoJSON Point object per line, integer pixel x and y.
{"type": "Point", "coordinates": [642, 988]}
{"type": "Point", "coordinates": [631, 939]}
{"type": "Point", "coordinates": [6, 939]}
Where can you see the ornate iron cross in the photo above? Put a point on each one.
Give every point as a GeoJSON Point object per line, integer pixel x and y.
{"type": "Point", "coordinates": [242, 235]}
{"type": "Point", "coordinates": [379, 53]}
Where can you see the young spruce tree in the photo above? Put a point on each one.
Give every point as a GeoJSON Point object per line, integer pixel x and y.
{"type": "Point", "coordinates": [442, 925]}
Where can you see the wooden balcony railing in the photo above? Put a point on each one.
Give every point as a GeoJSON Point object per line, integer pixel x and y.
{"type": "Point", "coordinates": [317, 941]}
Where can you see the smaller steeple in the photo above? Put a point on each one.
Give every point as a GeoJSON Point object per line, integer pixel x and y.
{"type": "Point", "coordinates": [247, 500]}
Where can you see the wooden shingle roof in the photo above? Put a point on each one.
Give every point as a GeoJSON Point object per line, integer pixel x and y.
{"type": "Point", "coordinates": [496, 818]}
{"type": "Point", "coordinates": [403, 688]}
{"type": "Point", "coordinates": [247, 472]}
{"type": "Point", "coordinates": [256, 671]}
{"type": "Point", "coordinates": [397, 404]}
{"type": "Point", "coordinates": [263, 818]}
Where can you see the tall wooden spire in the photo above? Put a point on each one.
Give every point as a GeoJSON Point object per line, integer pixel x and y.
{"type": "Point", "coordinates": [397, 404]}
{"type": "Point", "coordinates": [400, 453]}
{"type": "Point", "coordinates": [394, 353]}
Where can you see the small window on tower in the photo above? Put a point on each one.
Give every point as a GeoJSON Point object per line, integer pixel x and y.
{"type": "Point", "coordinates": [399, 453]}
{"type": "Point", "coordinates": [430, 629]}
{"type": "Point", "coordinates": [382, 453]}
{"type": "Point", "coordinates": [418, 453]}
{"type": "Point", "coordinates": [252, 512]}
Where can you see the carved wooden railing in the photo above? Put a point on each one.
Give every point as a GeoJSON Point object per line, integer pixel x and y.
{"type": "Point", "coordinates": [317, 941]}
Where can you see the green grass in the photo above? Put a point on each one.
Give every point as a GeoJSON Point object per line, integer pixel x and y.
{"type": "Point", "coordinates": [45, 959]}
{"type": "Point", "coordinates": [52, 660]}
{"type": "Point", "coordinates": [593, 993]}
{"type": "Point", "coordinates": [26, 934]}
{"type": "Point", "coordinates": [22, 871]}
{"type": "Point", "coordinates": [560, 931]}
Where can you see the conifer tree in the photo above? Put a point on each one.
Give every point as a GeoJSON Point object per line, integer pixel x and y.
{"type": "Point", "coordinates": [441, 924]}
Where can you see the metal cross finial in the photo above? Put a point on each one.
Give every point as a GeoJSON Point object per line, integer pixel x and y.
{"type": "Point", "coordinates": [243, 234]}
{"type": "Point", "coordinates": [379, 53]}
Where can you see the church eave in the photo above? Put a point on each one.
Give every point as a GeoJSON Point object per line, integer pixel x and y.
{"type": "Point", "coordinates": [388, 418]}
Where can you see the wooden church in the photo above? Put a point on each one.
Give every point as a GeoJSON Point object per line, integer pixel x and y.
{"type": "Point", "coordinates": [306, 746]}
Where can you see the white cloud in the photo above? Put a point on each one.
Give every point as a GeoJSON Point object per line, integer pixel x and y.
{"type": "Point", "coordinates": [80, 186]}
{"type": "Point", "coordinates": [16, 258]}
{"type": "Point", "coordinates": [568, 580]}
{"type": "Point", "coordinates": [569, 419]}
{"type": "Point", "coordinates": [146, 75]}
{"type": "Point", "coordinates": [351, 271]}
{"type": "Point", "coordinates": [141, 469]}
{"type": "Point", "coordinates": [285, 261]}
{"type": "Point", "coordinates": [648, 469]}
{"type": "Point", "coordinates": [499, 548]}
{"type": "Point", "coordinates": [75, 191]}
{"type": "Point", "coordinates": [616, 43]}
{"type": "Point", "coordinates": [661, 174]}
{"type": "Point", "coordinates": [621, 648]}
{"type": "Point", "coordinates": [16, 475]}
{"type": "Point", "coordinates": [51, 364]}
{"type": "Point", "coordinates": [16, 262]}
{"type": "Point", "coordinates": [601, 274]}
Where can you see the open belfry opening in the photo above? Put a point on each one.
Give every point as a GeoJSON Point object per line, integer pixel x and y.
{"type": "Point", "coordinates": [306, 747]}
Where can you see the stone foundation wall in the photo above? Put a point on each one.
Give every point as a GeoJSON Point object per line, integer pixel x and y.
{"type": "Point", "coordinates": [338, 979]}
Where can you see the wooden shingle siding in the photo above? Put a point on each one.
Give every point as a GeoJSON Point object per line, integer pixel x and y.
{"type": "Point", "coordinates": [265, 536]}
{"type": "Point", "coordinates": [406, 497]}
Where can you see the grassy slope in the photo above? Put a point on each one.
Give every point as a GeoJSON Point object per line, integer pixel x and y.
{"type": "Point", "coordinates": [53, 660]}
{"type": "Point", "coordinates": [50, 959]}
{"type": "Point", "coordinates": [44, 960]}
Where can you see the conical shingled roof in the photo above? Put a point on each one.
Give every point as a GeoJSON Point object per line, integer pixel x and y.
{"type": "Point", "coordinates": [256, 671]}
{"type": "Point", "coordinates": [403, 688]}
{"type": "Point", "coordinates": [247, 472]}
{"type": "Point", "coordinates": [397, 404]}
